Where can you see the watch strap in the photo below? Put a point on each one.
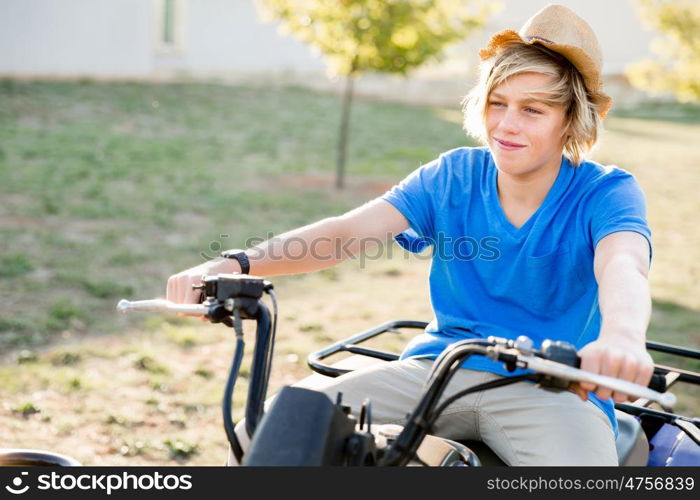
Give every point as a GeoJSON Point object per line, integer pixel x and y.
{"type": "Point", "coordinates": [240, 256]}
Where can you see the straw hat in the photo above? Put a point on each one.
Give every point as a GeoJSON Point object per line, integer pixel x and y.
{"type": "Point", "coordinates": [559, 29]}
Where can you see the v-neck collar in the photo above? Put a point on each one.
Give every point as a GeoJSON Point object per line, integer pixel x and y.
{"type": "Point", "coordinates": [559, 185]}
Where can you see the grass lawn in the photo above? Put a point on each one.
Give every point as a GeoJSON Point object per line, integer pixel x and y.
{"type": "Point", "coordinates": [108, 189]}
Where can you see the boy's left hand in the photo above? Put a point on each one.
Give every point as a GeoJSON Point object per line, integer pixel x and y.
{"type": "Point", "coordinates": [615, 356]}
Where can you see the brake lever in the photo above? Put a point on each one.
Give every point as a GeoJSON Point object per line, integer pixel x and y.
{"type": "Point", "coordinates": [558, 370]}
{"type": "Point", "coordinates": [161, 305]}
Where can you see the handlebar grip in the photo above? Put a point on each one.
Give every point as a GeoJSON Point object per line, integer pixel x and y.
{"type": "Point", "coordinates": [657, 383]}
{"type": "Point", "coordinates": [566, 354]}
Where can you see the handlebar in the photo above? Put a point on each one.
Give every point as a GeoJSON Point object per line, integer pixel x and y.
{"type": "Point", "coordinates": [513, 354]}
{"type": "Point", "coordinates": [535, 363]}
{"type": "Point", "coordinates": [230, 298]}
{"type": "Point", "coordinates": [558, 370]}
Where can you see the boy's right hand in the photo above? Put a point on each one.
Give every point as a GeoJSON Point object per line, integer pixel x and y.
{"type": "Point", "coordinates": [179, 289]}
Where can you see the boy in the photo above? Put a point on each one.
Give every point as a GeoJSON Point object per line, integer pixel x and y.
{"type": "Point", "coordinates": [568, 254]}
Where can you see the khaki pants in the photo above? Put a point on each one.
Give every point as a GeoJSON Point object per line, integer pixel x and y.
{"type": "Point", "coordinates": [522, 423]}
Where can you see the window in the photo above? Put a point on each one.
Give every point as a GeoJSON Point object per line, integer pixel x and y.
{"type": "Point", "coordinates": [169, 26]}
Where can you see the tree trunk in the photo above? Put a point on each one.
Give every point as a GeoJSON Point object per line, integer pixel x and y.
{"type": "Point", "coordinates": [343, 135]}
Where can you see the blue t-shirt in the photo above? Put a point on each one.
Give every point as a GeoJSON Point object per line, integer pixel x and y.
{"type": "Point", "coordinates": [488, 277]}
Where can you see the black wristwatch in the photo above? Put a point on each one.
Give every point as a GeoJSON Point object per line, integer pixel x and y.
{"type": "Point", "coordinates": [240, 256]}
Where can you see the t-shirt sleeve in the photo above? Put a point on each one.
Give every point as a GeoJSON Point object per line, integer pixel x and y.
{"type": "Point", "coordinates": [619, 205]}
{"type": "Point", "coordinates": [415, 198]}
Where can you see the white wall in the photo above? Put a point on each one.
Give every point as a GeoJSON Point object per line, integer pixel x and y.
{"type": "Point", "coordinates": [117, 38]}
{"type": "Point", "coordinates": [59, 37]}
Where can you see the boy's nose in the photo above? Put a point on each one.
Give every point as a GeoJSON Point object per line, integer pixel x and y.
{"type": "Point", "coordinates": [509, 123]}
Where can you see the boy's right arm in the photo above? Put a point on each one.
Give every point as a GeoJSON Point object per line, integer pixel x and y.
{"type": "Point", "coordinates": [314, 247]}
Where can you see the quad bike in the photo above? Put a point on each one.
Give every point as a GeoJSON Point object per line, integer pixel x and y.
{"type": "Point", "coordinates": [305, 428]}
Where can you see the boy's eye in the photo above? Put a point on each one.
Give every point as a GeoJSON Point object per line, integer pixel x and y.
{"type": "Point", "coordinates": [496, 103]}
{"type": "Point", "coordinates": [533, 111]}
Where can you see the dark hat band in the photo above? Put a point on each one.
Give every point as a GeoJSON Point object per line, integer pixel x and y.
{"type": "Point", "coordinates": [528, 38]}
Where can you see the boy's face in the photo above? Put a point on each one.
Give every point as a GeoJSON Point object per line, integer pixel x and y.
{"type": "Point", "coordinates": [524, 134]}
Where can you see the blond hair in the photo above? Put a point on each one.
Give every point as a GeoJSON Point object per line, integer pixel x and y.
{"type": "Point", "coordinates": [566, 90]}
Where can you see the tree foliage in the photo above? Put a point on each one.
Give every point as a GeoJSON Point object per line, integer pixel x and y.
{"type": "Point", "coordinates": [676, 67]}
{"type": "Point", "coordinates": [389, 36]}
{"type": "Point", "coordinates": [386, 36]}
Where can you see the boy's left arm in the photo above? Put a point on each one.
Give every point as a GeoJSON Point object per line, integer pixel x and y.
{"type": "Point", "coordinates": [621, 267]}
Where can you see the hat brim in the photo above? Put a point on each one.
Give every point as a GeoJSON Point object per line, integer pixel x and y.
{"type": "Point", "coordinates": [578, 58]}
